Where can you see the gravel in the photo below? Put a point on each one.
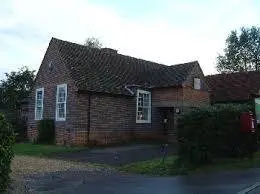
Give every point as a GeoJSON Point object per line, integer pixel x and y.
{"type": "Point", "coordinates": [26, 168]}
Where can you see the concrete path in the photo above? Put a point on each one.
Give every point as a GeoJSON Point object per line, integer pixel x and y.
{"type": "Point", "coordinates": [117, 155]}
{"type": "Point", "coordinates": [85, 182]}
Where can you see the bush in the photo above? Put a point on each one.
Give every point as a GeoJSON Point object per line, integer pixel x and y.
{"type": "Point", "coordinates": [210, 132]}
{"type": "Point", "coordinates": [46, 131]}
{"type": "Point", "coordinates": [17, 122]}
{"type": "Point", "coordinates": [6, 152]}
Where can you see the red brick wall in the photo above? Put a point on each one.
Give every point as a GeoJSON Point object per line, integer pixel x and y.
{"type": "Point", "coordinates": [183, 96]}
{"type": "Point", "coordinates": [112, 117]}
{"type": "Point", "coordinates": [167, 97]}
{"type": "Point", "coordinates": [192, 97]}
{"type": "Point", "coordinates": [66, 131]}
{"type": "Point", "coordinates": [195, 98]}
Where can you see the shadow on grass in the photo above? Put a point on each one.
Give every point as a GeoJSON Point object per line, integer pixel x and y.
{"type": "Point", "coordinates": [172, 166]}
{"type": "Point", "coordinates": [30, 149]}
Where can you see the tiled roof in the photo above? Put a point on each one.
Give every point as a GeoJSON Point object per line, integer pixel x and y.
{"type": "Point", "coordinates": [101, 71]}
{"type": "Point", "coordinates": [233, 86]}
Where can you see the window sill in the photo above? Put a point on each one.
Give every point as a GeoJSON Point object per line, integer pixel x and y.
{"type": "Point", "coordinates": [142, 121]}
{"type": "Point", "coordinates": [60, 119]}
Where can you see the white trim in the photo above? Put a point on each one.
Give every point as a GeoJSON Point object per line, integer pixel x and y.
{"type": "Point", "coordinates": [35, 107]}
{"type": "Point", "coordinates": [149, 108]}
{"type": "Point", "coordinates": [248, 189]}
{"type": "Point", "coordinates": [65, 106]}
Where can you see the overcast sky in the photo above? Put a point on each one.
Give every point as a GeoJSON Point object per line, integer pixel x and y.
{"type": "Point", "coordinates": [165, 31]}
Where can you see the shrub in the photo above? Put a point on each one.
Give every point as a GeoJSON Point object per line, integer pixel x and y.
{"type": "Point", "coordinates": [46, 131]}
{"type": "Point", "coordinates": [6, 152]}
{"type": "Point", "coordinates": [210, 132]}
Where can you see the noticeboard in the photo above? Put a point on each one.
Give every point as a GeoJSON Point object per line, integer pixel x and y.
{"type": "Point", "coordinates": [257, 109]}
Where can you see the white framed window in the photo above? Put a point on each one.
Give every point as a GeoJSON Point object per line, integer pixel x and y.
{"type": "Point", "coordinates": [143, 107]}
{"type": "Point", "coordinates": [197, 84]}
{"type": "Point", "coordinates": [39, 94]}
{"type": "Point", "coordinates": [61, 102]}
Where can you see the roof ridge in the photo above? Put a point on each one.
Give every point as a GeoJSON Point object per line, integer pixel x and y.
{"type": "Point", "coordinates": [127, 56]}
{"type": "Point", "coordinates": [233, 73]}
{"type": "Point", "coordinates": [94, 70]}
{"type": "Point", "coordinates": [186, 63]}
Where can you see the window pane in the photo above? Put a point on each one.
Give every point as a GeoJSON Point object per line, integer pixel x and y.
{"type": "Point", "coordinates": [140, 103]}
{"type": "Point", "coordinates": [143, 106]}
{"type": "Point", "coordinates": [145, 113]}
{"type": "Point", "coordinates": [61, 110]}
{"type": "Point", "coordinates": [61, 89]}
{"type": "Point", "coordinates": [38, 112]}
{"type": "Point", "coordinates": [61, 95]}
{"type": "Point", "coordinates": [197, 83]}
{"type": "Point", "coordinates": [39, 95]}
{"type": "Point", "coordinates": [146, 104]}
{"type": "Point", "coordinates": [140, 100]}
{"type": "Point", "coordinates": [146, 101]}
{"type": "Point", "coordinates": [61, 102]}
{"type": "Point", "coordinates": [142, 114]}
{"type": "Point", "coordinates": [39, 103]}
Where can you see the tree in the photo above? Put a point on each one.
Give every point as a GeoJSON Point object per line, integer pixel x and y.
{"type": "Point", "coordinates": [16, 87]}
{"type": "Point", "coordinates": [93, 42]}
{"type": "Point", "coordinates": [242, 51]}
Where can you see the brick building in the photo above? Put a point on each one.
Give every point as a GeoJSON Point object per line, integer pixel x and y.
{"type": "Point", "coordinates": [100, 96]}
{"type": "Point", "coordinates": [237, 87]}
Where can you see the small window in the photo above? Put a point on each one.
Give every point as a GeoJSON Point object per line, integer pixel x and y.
{"type": "Point", "coordinates": [61, 101]}
{"type": "Point", "coordinates": [39, 103]}
{"type": "Point", "coordinates": [143, 107]}
{"type": "Point", "coordinates": [197, 84]}
{"type": "Point", "coordinates": [50, 66]}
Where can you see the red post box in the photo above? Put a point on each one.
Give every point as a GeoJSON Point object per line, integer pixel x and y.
{"type": "Point", "coordinates": [247, 122]}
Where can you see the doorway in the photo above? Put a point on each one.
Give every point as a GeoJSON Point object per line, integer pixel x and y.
{"type": "Point", "coordinates": [168, 120]}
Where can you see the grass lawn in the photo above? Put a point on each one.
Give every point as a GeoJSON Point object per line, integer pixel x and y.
{"type": "Point", "coordinates": [151, 167]}
{"type": "Point", "coordinates": [42, 150]}
{"type": "Point", "coordinates": [169, 167]}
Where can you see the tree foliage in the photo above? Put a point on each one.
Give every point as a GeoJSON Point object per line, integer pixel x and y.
{"type": "Point", "coordinates": [6, 152]}
{"type": "Point", "coordinates": [93, 42]}
{"type": "Point", "coordinates": [16, 87]}
{"type": "Point", "coordinates": [242, 51]}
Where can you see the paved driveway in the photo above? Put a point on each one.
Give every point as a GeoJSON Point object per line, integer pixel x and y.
{"type": "Point", "coordinates": [98, 183]}
{"type": "Point", "coordinates": [117, 155]}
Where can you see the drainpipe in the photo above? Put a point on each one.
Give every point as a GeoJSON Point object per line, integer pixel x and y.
{"type": "Point", "coordinates": [89, 107]}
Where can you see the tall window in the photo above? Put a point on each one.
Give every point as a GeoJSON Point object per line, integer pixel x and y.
{"type": "Point", "coordinates": [61, 100]}
{"type": "Point", "coordinates": [39, 103]}
{"type": "Point", "coordinates": [143, 108]}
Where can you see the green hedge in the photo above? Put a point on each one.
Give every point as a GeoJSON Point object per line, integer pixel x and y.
{"type": "Point", "coordinates": [6, 152]}
{"type": "Point", "coordinates": [211, 132]}
{"type": "Point", "coordinates": [46, 131]}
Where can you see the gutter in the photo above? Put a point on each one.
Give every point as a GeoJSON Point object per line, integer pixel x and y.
{"type": "Point", "coordinates": [88, 125]}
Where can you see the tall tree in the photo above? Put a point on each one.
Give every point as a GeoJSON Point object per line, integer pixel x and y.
{"type": "Point", "coordinates": [93, 42]}
{"type": "Point", "coordinates": [16, 87]}
{"type": "Point", "coordinates": [242, 51]}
